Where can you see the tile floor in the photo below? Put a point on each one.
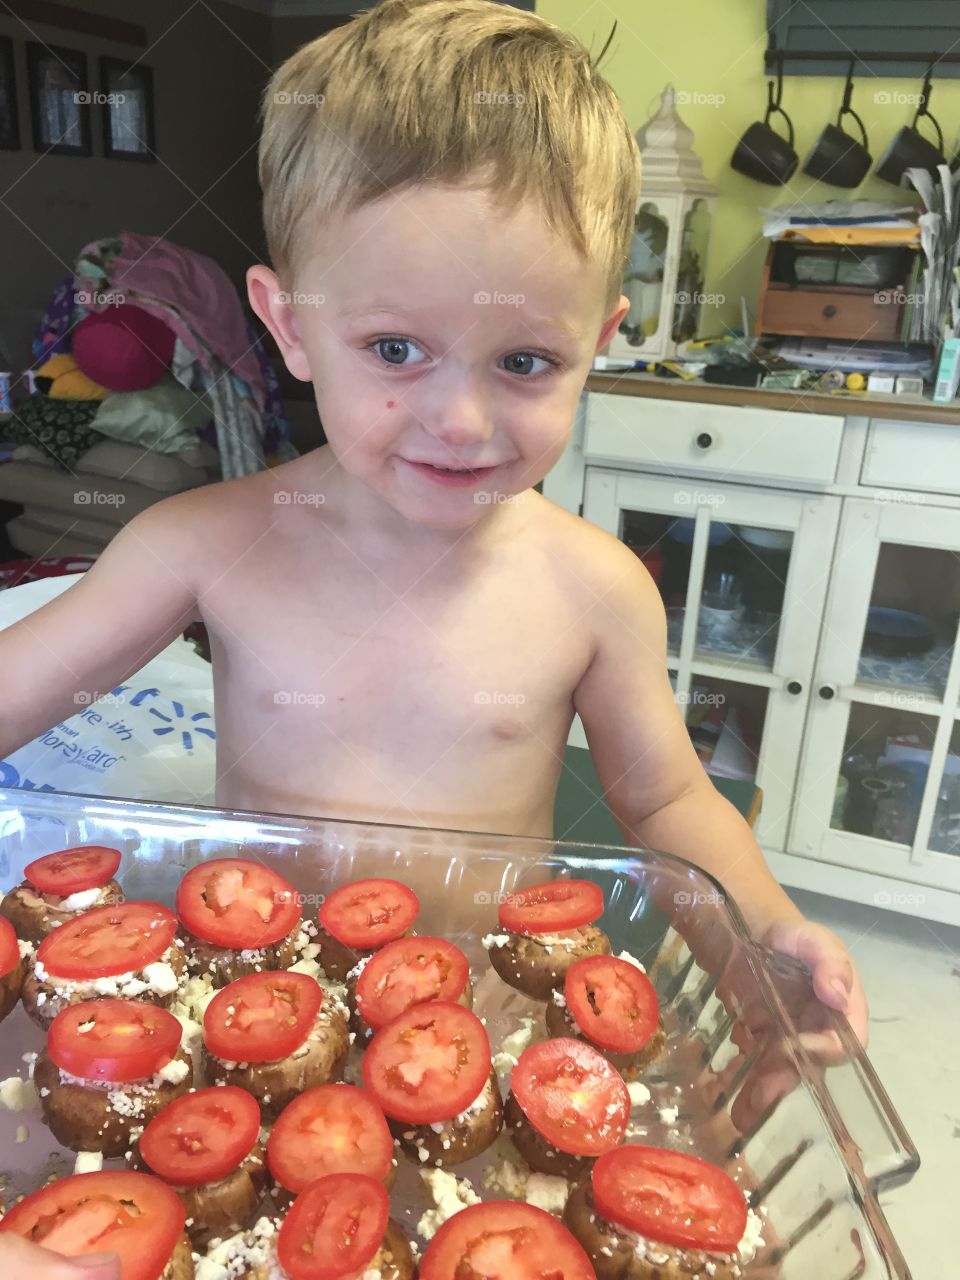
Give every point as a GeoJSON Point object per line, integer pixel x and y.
{"type": "Point", "coordinates": [911, 972]}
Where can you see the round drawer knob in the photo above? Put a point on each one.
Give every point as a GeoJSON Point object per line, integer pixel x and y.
{"type": "Point", "coordinates": [794, 687]}
{"type": "Point", "coordinates": [827, 691]}
{"type": "Point", "coordinates": [704, 440]}
{"type": "Point", "coordinates": [830, 311]}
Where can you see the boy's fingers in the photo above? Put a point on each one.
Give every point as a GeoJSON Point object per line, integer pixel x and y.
{"type": "Point", "coordinates": [823, 954]}
{"type": "Point", "coordinates": [18, 1257]}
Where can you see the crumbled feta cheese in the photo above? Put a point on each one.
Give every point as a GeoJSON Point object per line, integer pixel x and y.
{"type": "Point", "coordinates": [558, 998]}
{"type": "Point", "coordinates": [26, 948]}
{"type": "Point", "coordinates": [752, 1238]}
{"type": "Point", "coordinates": [175, 1071]}
{"type": "Point", "coordinates": [494, 940]}
{"type": "Point", "coordinates": [17, 1094]}
{"type": "Point", "coordinates": [625, 955]}
{"type": "Point", "coordinates": [668, 1115]}
{"type": "Point", "coordinates": [450, 1195]}
{"type": "Point", "coordinates": [88, 1162]}
{"type": "Point", "coordinates": [309, 967]}
{"type": "Point", "coordinates": [639, 1093]}
{"type": "Point", "coordinates": [160, 978]}
{"type": "Point", "coordinates": [82, 900]}
{"type": "Point", "coordinates": [544, 1191]}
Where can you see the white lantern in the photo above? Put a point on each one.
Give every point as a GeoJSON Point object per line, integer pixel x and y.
{"type": "Point", "coordinates": [667, 270]}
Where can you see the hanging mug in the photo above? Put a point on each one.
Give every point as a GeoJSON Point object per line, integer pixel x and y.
{"type": "Point", "coordinates": [837, 157]}
{"type": "Point", "coordinates": [762, 153]}
{"type": "Point", "coordinates": [910, 149]}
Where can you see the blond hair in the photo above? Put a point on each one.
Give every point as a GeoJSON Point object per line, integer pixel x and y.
{"type": "Point", "coordinates": [445, 92]}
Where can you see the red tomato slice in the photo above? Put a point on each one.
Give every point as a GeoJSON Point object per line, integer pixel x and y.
{"type": "Point", "coordinates": [9, 947]}
{"type": "Point", "coordinates": [572, 1095]}
{"type": "Point", "coordinates": [614, 1003]}
{"type": "Point", "coordinates": [73, 870]}
{"type": "Point", "coordinates": [504, 1240]}
{"type": "Point", "coordinates": [671, 1197]}
{"type": "Point", "coordinates": [334, 1228]}
{"type": "Point", "coordinates": [202, 1136]}
{"type": "Point", "coordinates": [113, 1039]}
{"type": "Point", "coordinates": [130, 1214]}
{"type": "Point", "coordinates": [552, 907]}
{"type": "Point", "coordinates": [410, 971]}
{"type": "Point", "coordinates": [429, 1064]}
{"type": "Point", "coordinates": [262, 1017]}
{"type": "Point", "coordinates": [334, 1128]}
{"type": "Point", "coordinates": [368, 913]}
{"type": "Point", "coordinates": [236, 903]}
{"type": "Point", "coordinates": [107, 940]}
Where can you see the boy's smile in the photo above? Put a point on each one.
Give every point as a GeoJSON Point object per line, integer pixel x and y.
{"type": "Point", "coordinates": [448, 342]}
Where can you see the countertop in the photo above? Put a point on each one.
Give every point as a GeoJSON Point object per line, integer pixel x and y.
{"type": "Point", "coordinates": [846, 404]}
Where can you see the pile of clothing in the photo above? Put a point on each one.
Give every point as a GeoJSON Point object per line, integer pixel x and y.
{"type": "Point", "coordinates": [147, 374]}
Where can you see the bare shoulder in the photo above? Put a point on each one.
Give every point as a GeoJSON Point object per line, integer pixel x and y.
{"type": "Point", "coordinates": [598, 559]}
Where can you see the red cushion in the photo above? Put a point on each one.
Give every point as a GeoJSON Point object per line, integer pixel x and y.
{"type": "Point", "coordinates": [124, 348]}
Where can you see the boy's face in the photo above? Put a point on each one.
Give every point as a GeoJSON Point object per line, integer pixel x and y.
{"type": "Point", "coordinates": [447, 344]}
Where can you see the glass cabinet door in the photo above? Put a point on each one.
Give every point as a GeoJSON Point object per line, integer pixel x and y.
{"type": "Point", "coordinates": [740, 574]}
{"type": "Point", "coordinates": [879, 787]}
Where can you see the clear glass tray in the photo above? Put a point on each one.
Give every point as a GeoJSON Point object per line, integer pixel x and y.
{"type": "Point", "coordinates": [756, 1074]}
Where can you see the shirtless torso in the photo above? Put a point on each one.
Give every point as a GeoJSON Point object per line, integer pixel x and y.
{"type": "Point", "coordinates": [430, 689]}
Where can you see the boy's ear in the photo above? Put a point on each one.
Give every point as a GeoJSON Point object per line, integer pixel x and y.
{"type": "Point", "coordinates": [275, 309]}
{"type": "Point", "coordinates": [613, 322]}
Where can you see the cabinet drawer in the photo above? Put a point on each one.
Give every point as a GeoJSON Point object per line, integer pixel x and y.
{"type": "Point", "coordinates": [678, 435]}
{"type": "Point", "coordinates": [830, 314]}
{"type": "Point", "coordinates": [912, 455]}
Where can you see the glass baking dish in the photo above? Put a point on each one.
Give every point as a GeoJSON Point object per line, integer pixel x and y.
{"type": "Point", "coordinates": [756, 1075]}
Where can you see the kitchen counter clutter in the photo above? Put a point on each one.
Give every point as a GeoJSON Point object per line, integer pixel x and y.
{"type": "Point", "coordinates": [807, 549]}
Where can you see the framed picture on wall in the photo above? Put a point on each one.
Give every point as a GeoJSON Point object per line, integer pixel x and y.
{"type": "Point", "coordinates": [59, 99]}
{"type": "Point", "coordinates": [127, 104]}
{"type": "Point", "coordinates": [9, 116]}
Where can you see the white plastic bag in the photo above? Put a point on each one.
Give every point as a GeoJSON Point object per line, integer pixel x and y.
{"type": "Point", "coordinates": [151, 738]}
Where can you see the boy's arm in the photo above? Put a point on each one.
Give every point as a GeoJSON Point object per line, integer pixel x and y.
{"type": "Point", "coordinates": [656, 787]}
{"type": "Point", "coordinates": [137, 597]}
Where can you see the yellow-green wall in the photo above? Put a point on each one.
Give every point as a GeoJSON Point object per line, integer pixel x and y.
{"type": "Point", "coordinates": [712, 50]}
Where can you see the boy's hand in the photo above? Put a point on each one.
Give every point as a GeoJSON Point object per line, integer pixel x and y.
{"type": "Point", "coordinates": [835, 980]}
{"type": "Point", "coordinates": [18, 1257]}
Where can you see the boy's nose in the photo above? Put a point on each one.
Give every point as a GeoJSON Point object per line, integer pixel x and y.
{"type": "Point", "coordinates": [456, 413]}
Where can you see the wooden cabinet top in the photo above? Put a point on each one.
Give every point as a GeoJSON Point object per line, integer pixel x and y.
{"type": "Point", "coordinates": [849, 404]}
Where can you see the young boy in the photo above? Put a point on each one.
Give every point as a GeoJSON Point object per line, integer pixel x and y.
{"type": "Point", "coordinates": [401, 627]}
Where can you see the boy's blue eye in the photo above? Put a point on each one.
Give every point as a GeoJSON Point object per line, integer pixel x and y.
{"type": "Point", "coordinates": [398, 350]}
{"type": "Point", "coordinates": [525, 363]}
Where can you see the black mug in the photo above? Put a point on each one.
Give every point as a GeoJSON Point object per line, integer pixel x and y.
{"type": "Point", "coordinates": [837, 157]}
{"type": "Point", "coordinates": [910, 149]}
{"type": "Point", "coordinates": [762, 153]}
